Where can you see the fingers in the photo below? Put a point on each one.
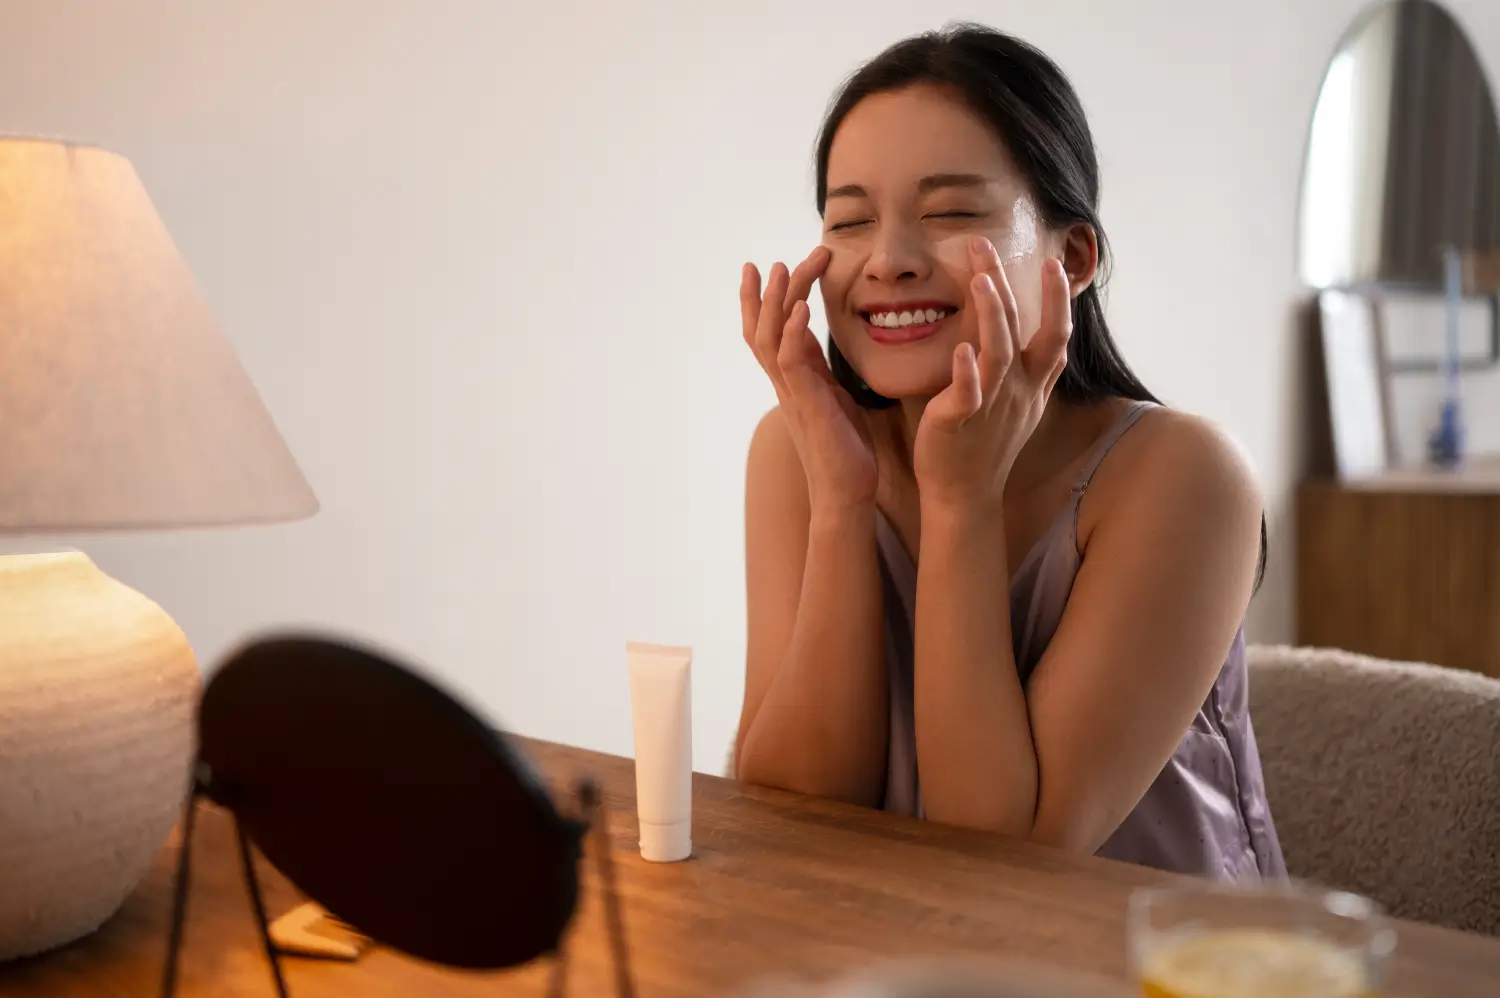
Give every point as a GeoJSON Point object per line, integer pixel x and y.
{"type": "Point", "coordinates": [770, 320]}
{"type": "Point", "coordinates": [1054, 375]}
{"type": "Point", "coordinates": [800, 359]}
{"type": "Point", "coordinates": [1008, 302]}
{"type": "Point", "coordinates": [808, 271]}
{"type": "Point", "coordinates": [961, 400]}
{"type": "Point", "coordinates": [1047, 352]}
{"type": "Point", "coordinates": [749, 302]}
{"type": "Point", "coordinates": [997, 324]}
{"type": "Point", "coordinates": [994, 338]}
{"type": "Point", "coordinates": [966, 380]}
{"type": "Point", "coordinates": [766, 317]}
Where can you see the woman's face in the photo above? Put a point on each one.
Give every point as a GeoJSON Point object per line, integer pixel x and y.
{"type": "Point", "coordinates": [913, 177]}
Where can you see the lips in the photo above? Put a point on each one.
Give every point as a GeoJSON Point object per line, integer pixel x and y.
{"type": "Point", "coordinates": [905, 322]}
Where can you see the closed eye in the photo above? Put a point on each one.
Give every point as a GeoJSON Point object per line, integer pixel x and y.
{"type": "Point", "coordinates": [958, 215]}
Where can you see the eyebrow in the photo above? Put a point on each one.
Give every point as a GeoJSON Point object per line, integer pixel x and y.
{"type": "Point", "coordinates": [926, 185]}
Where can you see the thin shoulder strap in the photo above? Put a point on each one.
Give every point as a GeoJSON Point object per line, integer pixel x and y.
{"type": "Point", "coordinates": [1111, 436]}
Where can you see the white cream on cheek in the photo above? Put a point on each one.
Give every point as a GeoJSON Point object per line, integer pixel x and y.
{"type": "Point", "coordinates": [1021, 241]}
{"type": "Point", "coordinates": [1018, 243]}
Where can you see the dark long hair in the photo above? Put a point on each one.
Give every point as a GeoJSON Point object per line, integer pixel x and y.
{"type": "Point", "coordinates": [1032, 107]}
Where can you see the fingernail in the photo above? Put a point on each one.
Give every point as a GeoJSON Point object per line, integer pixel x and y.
{"type": "Point", "coordinates": [979, 245]}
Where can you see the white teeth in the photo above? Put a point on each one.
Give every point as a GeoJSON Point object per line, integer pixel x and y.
{"type": "Point", "coordinates": [898, 320]}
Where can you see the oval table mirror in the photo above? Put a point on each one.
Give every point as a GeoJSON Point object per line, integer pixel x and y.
{"type": "Point", "coordinates": [389, 803]}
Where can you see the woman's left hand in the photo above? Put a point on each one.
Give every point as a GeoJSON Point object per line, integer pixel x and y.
{"type": "Point", "coordinates": [972, 431]}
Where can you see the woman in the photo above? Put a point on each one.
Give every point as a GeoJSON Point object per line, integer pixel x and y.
{"type": "Point", "coordinates": [991, 582]}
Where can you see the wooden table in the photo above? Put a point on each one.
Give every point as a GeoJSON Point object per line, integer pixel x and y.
{"type": "Point", "coordinates": [779, 884]}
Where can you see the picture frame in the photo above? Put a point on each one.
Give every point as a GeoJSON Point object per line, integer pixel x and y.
{"type": "Point", "coordinates": [1356, 373]}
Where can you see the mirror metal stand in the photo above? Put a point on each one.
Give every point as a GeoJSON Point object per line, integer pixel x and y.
{"type": "Point", "coordinates": [591, 806]}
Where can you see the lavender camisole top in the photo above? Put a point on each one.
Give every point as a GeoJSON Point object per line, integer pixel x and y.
{"type": "Point", "coordinates": [1206, 812]}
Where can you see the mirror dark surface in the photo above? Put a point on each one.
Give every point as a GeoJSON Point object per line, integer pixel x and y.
{"type": "Point", "coordinates": [387, 801]}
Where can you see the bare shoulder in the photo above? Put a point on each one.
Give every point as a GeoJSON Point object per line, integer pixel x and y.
{"type": "Point", "coordinates": [774, 468]}
{"type": "Point", "coordinates": [771, 433]}
{"type": "Point", "coordinates": [1177, 450]}
{"type": "Point", "coordinates": [1174, 467]}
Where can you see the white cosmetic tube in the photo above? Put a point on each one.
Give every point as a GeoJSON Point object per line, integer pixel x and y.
{"type": "Point", "coordinates": [661, 703]}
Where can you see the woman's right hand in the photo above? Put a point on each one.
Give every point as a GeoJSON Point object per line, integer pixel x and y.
{"type": "Point", "coordinates": [827, 427]}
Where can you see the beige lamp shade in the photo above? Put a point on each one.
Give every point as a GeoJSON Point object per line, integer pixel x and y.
{"type": "Point", "coordinates": [122, 404]}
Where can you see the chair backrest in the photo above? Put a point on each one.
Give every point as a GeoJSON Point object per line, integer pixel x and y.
{"type": "Point", "coordinates": [1384, 779]}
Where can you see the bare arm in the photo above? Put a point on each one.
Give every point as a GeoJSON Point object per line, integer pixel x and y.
{"type": "Point", "coordinates": [974, 742]}
{"type": "Point", "coordinates": [975, 752]}
{"type": "Point", "coordinates": [1165, 580]}
{"type": "Point", "coordinates": [1166, 577]}
{"type": "Point", "coordinates": [815, 717]}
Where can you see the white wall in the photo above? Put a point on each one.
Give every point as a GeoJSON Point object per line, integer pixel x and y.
{"type": "Point", "coordinates": [481, 259]}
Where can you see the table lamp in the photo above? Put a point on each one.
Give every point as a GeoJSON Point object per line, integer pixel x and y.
{"type": "Point", "coordinates": [122, 406]}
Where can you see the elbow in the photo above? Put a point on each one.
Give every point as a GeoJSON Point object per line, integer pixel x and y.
{"type": "Point", "coordinates": [1011, 819]}
{"type": "Point", "coordinates": [1012, 812]}
{"type": "Point", "coordinates": [1056, 837]}
{"type": "Point", "coordinates": [808, 786]}
{"type": "Point", "coordinates": [1030, 820]}
{"type": "Point", "coordinates": [1068, 829]}
{"type": "Point", "coordinates": [802, 773]}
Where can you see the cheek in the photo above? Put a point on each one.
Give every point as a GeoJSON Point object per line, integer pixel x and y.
{"type": "Point", "coordinates": [844, 264]}
{"type": "Point", "coordinates": [952, 252]}
{"type": "Point", "coordinates": [1016, 249]}
{"type": "Point", "coordinates": [845, 253]}
{"type": "Point", "coordinates": [1029, 306]}
{"type": "Point", "coordinates": [1021, 272]}
{"type": "Point", "coordinates": [1016, 244]}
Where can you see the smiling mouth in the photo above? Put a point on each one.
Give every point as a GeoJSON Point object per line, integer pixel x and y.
{"type": "Point", "coordinates": [906, 325]}
{"type": "Point", "coordinates": [907, 319]}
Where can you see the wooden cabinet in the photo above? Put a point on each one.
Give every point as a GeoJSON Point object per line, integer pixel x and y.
{"type": "Point", "coordinates": [1405, 566]}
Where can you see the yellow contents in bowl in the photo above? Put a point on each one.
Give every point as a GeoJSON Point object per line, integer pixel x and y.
{"type": "Point", "coordinates": [1253, 963]}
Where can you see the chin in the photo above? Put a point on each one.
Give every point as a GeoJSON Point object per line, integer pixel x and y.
{"type": "Point", "coordinates": [919, 371]}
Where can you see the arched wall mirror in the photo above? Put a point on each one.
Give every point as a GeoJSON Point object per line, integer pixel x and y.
{"type": "Point", "coordinates": [1399, 236]}
{"type": "Point", "coordinates": [1403, 157]}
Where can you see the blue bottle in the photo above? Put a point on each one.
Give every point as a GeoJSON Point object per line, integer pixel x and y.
{"type": "Point", "coordinates": [1445, 448]}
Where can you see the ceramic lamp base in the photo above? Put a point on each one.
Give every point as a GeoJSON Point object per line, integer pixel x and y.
{"type": "Point", "coordinates": [98, 692]}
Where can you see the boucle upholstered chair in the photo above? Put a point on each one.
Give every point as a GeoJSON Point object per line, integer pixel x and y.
{"type": "Point", "coordinates": [1384, 779]}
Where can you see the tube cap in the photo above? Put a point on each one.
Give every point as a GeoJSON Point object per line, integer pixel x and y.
{"type": "Point", "coordinates": [666, 843]}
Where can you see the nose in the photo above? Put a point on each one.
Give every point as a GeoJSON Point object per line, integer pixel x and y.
{"type": "Point", "coordinates": [897, 255]}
